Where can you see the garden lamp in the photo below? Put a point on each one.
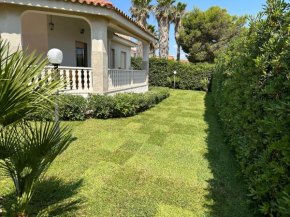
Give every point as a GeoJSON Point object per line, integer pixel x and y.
{"type": "Point", "coordinates": [174, 77]}
{"type": "Point", "coordinates": [55, 57]}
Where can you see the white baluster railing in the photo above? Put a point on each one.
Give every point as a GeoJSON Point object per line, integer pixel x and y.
{"type": "Point", "coordinates": [121, 78]}
{"type": "Point", "coordinates": [75, 79]}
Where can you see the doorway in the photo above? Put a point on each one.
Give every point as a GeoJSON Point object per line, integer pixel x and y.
{"type": "Point", "coordinates": [81, 54]}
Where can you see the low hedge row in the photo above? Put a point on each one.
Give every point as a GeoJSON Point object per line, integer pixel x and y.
{"type": "Point", "coordinates": [251, 87]}
{"type": "Point", "coordinates": [78, 108]}
{"type": "Point", "coordinates": [189, 76]}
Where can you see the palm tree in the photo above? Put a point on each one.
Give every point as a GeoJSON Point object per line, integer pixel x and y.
{"type": "Point", "coordinates": [26, 149]}
{"type": "Point", "coordinates": [178, 13]}
{"type": "Point", "coordinates": [163, 13]}
{"type": "Point", "coordinates": [153, 45]}
{"type": "Point", "coordinates": [140, 10]}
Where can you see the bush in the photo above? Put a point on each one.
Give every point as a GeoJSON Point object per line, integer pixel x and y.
{"type": "Point", "coordinates": [124, 105]}
{"type": "Point", "coordinates": [189, 76]}
{"type": "Point", "coordinates": [251, 87]}
{"type": "Point", "coordinates": [73, 108]}
{"type": "Point", "coordinates": [78, 108]}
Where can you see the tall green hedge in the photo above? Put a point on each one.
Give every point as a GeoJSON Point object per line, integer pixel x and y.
{"type": "Point", "coordinates": [251, 87]}
{"type": "Point", "coordinates": [189, 76]}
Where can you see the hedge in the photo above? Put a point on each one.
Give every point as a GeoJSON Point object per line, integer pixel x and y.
{"type": "Point", "coordinates": [189, 76]}
{"type": "Point", "coordinates": [251, 87]}
{"type": "Point", "coordinates": [78, 108]}
{"type": "Point", "coordinates": [124, 105]}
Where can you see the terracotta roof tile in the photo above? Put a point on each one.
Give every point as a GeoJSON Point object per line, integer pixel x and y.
{"type": "Point", "coordinates": [101, 3]}
{"type": "Point", "coordinates": [109, 5]}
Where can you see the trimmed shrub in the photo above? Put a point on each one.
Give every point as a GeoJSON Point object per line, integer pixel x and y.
{"type": "Point", "coordinates": [73, 108]}
{"type": "Point", "coordinates": [251, 87]}
{"type": "Point", "coordinates": [78, 108]}
{"type": "Point", "coordinates": [124, 105]}
{"type": "Point", "coordinates": [189, 76]}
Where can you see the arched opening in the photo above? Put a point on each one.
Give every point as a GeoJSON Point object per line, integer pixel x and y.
{"type": "Point", "coordinates": [43, 31]}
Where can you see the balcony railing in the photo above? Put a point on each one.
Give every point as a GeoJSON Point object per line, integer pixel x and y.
{"type": "Point", "coordinates": [119, 79]}
{"type": "Point", "coordinates": [78, 79]}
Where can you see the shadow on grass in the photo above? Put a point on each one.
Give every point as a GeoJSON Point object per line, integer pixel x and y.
{"type": "Point", "coordinates": [51, 197]}
{"type": "Point", "coordinates": [227, 189]}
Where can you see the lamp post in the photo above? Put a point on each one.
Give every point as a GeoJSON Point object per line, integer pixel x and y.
{"type": "Point", "coordinates": [55, 57]}
{"type": "Point", "coordinates": [174, 77]}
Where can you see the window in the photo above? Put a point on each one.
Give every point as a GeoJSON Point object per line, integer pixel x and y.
{"type": "Point", "coordinates": [123, 60]}
{"type": "Point", "coordinates": [81, 54]}
{"type": "Point", "coordinates": [112, 59]}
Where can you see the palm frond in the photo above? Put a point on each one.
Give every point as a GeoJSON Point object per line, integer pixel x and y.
{"type": "Point", "coordinates": [29, 149]}
{"type": "Point", "coordinates": [21, 89]}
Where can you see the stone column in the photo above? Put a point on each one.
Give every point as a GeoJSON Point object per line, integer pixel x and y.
{"type": "Point", "coordinates": [145, 63]}
{"type": "Point", "coordinates": [10, 26]}
{"type": "Point", "coordinates": [99, 54]}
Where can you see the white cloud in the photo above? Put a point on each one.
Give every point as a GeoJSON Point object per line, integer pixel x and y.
{"type": "Point", "coordinates": [175, 46]}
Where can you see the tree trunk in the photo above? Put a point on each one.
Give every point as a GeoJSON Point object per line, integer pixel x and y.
{"type": "Point", "coordinates": [143, 23]}
{"type": "Point", "coordinates": [152, 50]}
{"type": "Point", "coordinates": [178, 52]}
{"type": "Point", "coordinates": [164, 28]}
{"type": "Point", "coordinates": [177, 29]}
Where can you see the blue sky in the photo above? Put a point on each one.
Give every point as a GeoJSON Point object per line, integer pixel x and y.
{"type": "Point", "coordinates": [234, 7]}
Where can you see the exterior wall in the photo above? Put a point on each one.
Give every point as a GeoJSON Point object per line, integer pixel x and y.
{"type": "Point", "coordinates": [10, 26]}
{"type": "Point", "coordinates": [99, 19]}
{"type": "Point", "coordinates": [140, 89]}
{"type": "Point", "coordinates": [64, 36]}
{"type": "Point", "coordinates": [34, 33]}
{"type": "Point", "coordinates": [117, 21]}
{"type": "Point", "coordinates": [118, 49]}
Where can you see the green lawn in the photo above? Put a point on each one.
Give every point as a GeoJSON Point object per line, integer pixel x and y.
{"type": "Point", "coordinates": [168, 161]}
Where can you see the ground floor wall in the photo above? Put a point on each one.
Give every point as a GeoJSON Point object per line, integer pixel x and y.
{"type": "Point", "coordinates": [37, 35]}
{"type": "Point", "coordinates": [118, 50]}
{"type": "Point", "coordinates": [11, 30]}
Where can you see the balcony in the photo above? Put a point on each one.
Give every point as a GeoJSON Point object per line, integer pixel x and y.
{"type": "Point", "coordinates": [126, 79]}
{"type": "Point", "coordinates": [79, 80]}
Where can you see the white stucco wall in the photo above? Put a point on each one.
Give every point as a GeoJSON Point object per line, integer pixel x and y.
{"type": "Point", "coordinates": [34, 33]}
{"type": "Point", "coordinates": [101, 21]}
{"type": "Point", "coordinates": [118, 49]}
{"type": "Point", "coordinates": [64, 36]}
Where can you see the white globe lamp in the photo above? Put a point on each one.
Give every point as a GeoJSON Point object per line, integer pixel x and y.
{"type": "Point", "coordinates": [174, 77]}
{"type": "Point", "coordinates": [55, 56]}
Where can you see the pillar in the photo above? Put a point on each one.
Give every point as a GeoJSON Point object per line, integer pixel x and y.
{"type": "Point", "coordinates": [145, 62]}
{"type": "Point", "coordinates": [99, 29]}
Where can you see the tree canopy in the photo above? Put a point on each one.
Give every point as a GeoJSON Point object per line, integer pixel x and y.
{"type": "Point", "coordinates": [206, 33]}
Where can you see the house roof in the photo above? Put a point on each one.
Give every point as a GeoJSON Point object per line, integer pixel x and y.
{"type": "Point", "coordinates": [125, 38]}
{"type": "Point", "coordinates": [101, 3]}
{"type": "Point", "coordinates": [109, 5]}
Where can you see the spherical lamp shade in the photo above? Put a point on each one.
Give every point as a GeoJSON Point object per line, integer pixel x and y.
{"type": "Point", "coordinates": [55, 56]}
{"type": "Point", "coordinates": [175, 72]}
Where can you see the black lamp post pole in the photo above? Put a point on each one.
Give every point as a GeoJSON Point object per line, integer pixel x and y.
{"type": "Point", "coordinates": [56, 102]}
{"type": "Point", "coordinates": [174, 81]}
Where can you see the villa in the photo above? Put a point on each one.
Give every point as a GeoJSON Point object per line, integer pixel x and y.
{"type": "Point", "coordinates": [93, 35]}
